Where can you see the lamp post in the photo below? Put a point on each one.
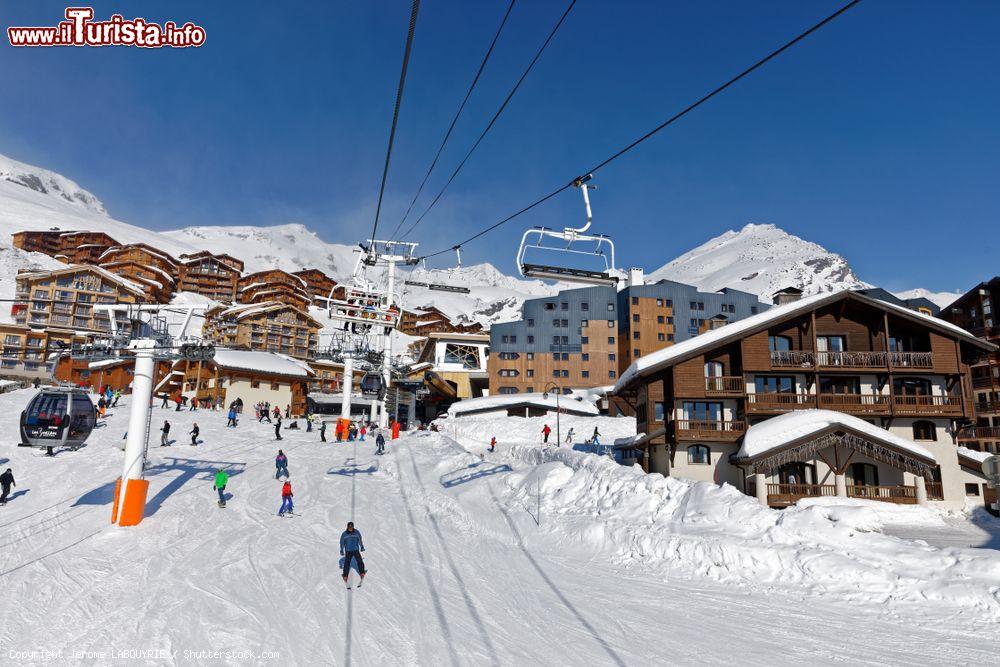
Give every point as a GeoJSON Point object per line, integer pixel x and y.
{"type": "Point", "coordinates": [538, 478]}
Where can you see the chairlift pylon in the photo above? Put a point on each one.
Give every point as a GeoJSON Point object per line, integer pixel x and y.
{"type": "Point", "coordinates": [574, 239]}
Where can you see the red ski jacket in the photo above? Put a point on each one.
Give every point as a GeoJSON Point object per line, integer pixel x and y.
{"type": "Point", "coordinates": [286, 490]}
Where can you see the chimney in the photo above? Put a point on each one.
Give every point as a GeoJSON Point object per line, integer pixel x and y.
{"type": "Point", "coordinates": [636, 278]}
{"type": "Point", "coordinates": [787, 295]}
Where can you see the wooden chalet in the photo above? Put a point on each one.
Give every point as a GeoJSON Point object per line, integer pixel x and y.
{"type": "Point", "coordinates": [71, 247]}
{"type": "Point", "coordinates": [425, 321]}
{"type": "Point", "coordinates": [270, 326]}
{"type": "Point", "coordinates": [65, 298]}
{"type": "Point", "coordinates": [878, 364]}
{"type": "Point", "coordinates": [318, 284]}
{"type": "Point", "coordinates": [214, 276]}
{"type": "Point", "coordinates": [274, 285]}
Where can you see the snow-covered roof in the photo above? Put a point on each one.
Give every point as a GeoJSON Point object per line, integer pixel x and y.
{"type": "Point", "coordinates": [261, 362]}
{"type": "Point", "coordinates": [106, 363]}
{"type": "Point", "coordinates": [687, 348]}
{"type": "Point", "coordinates": [82, 268]}
{"type": "Point", "coordinates": [577, 401]}
{"type": "Point", "coordinates": [779, 431]}
{"type": "Point", "coordinates": [973, 455]}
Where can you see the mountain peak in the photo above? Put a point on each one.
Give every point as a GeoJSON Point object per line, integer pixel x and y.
{"type": "Point", "coordinates": [49, 183]}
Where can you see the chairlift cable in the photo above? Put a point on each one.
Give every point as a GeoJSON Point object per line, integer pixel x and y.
{"type": "Point", "coordinates": [489, 126]}
{"type": "Point", "coordinates": [454, 121]}
{"type": "Point", "coordinates": [395, 112]}
{"type": "Point", "coordinates": [658, 128]}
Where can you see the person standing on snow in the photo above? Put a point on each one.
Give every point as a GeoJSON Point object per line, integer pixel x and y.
{"type": "Point", "coordinates": [6, 481]}
{"type": "Point", "coordinates": [379, 444]}
{"type": "Point", "coordinates": [280, 464]}
{"type": "Point", "coordinates": [596, 437]}
{"type": "Point", "coordinates": [194, 434]}
{"type": "Point", "coordinates": [493, 443]}
{"type": "Point", "coordinates": [362, 432]}
{"type": "Point", "coordinates": [545, 434]}
{"type": "Point", "coordinates": [351, 546]}
{"type": "Point", "coordinates": [322, 431]}
{"type": "Point", "coordinates": [569, 436]}
{"type": "Point", "coordinates": [309, 423]}
{"type": "Point", "coordinates": [221, 479]}
{"type": "Point", "coordinates": [166, 433]}
{"type": "Point", "coordinates": [232, 417]}
{"type": "Point", "coordinates": [166, 399]}
{"type": "Point", "coordinates": [286, 498]}
{"type": "Point", "coordinates": [277, 426]}
{"type": "Point", "coordinates": [118, 395]}
{"type": "Point", "coordinates": [178, 401]}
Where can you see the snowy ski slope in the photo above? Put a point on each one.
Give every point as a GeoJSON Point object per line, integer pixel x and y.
{"type": "Point", "coordinates": [460, 571]}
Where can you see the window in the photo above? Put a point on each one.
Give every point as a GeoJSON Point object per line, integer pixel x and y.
{"type": "Point", "coordinates": [584, 340]}
{"type": "Point", "coordinates": [611, 374]}
{"type": "Point", "coordinates": [659, 302]}
{"type": "Point", "coordinates": [636, 352]}
{"type": "Point", "coordinates": [585, 306]}
{"type": "Point", "coordinates": [659, 319]}
{"type": "Point", "coordinates": [531, 340]}
{"type": "Point", "coordinates": [585, 374]}
{"type": "Point", "coordinates": [531, 356]}
{"type": "Point", "coordinates": [564, 340]}
{"type": "Point", "coordinates": [697, 305]}
{"type": "Point", "coordinates": [779, 343]}
{"type": "Point", "coordinates": [774, 384]}
{"type": "Point", "coordinates": [564, 305]}
{"type": "Point", "coordinates": [611, 340]}
{"type": "Point", "coordinates": [924, 430]}
{"type": "Point", "coordinates": [753, 310]}
{"type": "Point", "coordinates": [565, 356]}
{"type": "Point", "coordinates": [584, 323]}
{"type": "Point", "coordinates": [911, 386]}
{"type": "Point", "coordinates": [505, 339]}
{"type": "Point", "coordinates": [555, 340]}
{"type": "Point", "coordinates": [611, 307]}
{"type": "Point", "coordinates": [699, 455]}
{"type": "Point", "coordinates": [714, 369]}
{"type": "Point", "coordinates": [635, 301]}
{"type": "Point", "coordinates": [556, 324]}
{"type": "Point", "coordinates": [531, 322]}
{"type": "Point", "coordinates": [513, 339]}
{"type": "Point", "coordinates": [255, 384]}
{"type": "Point", "coordinates": [635, 317]}
{"type": "Point", "coordinates": [694, 323]}
{"type": "Point", "coordinates": [565, 374]}
{"type": "Point", "coordinates": [530, 373]}
{"type": "Point", "coordinates": [611, 324]}
{"type": "Point", "coordinates": [555, 356]}
{"type": "Point", "coordinates": [550, 306]}
{"type": "Point", "coordinates": [658, 411]}
{"type": "Point", "coordinates": [585, 356]}
{"type": "Point", "coordinates": [508, 390]}
{"type": "Point", "coordinates": [565, 324]}
{"type": "Point", "coordinates": [972, 489]}
{"type": "Point", "coordinates": [611, 357]}
{"type": "Point", "coordinates": [862, 474]}
{"type": "Point", "coordinates": [508, 373]}
{"type": "Point", "coordinates": [635, 335]}
{"type": "Point", "coordinates": [706, 411]}
{"type": "Point", "coordinates": [509, 356]}
{"type": "Point", "coordinates": [839, 385]}
{"type": "Point", "coordinates": [660, 337]}
{"type": "Point", "coordinates": [828, 349]}
{"type": "Point", "coordinates": [669, 303]}
{"type": "Point", "coordinates": [555, 373]}
{"type": "Point", "coordinates": [670, 320]}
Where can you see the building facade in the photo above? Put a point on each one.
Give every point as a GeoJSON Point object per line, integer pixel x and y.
{"type": "Point", "coordinates": [976, 312]}
{"type": "Point", "coordinates": [878, 364]}
{"type": "Point", "coordinates": [318, 284]}
{"type": "Point", "coordinates": [65, 298]}
{"type": "Point", "coordinates": [268, 327]}
{"type": "Point", "coordinates": [34, 353]}
{"type": "Point", "coordinates": [251, 376]}
{"type": "Point", "coordinates": [428, 320]}
{"type": "Point", "coordinates": [214, 276]}
{"type": "Point", "coordinates": [71, 247]}
{"type": "Point", "coordinates": [274, 285]}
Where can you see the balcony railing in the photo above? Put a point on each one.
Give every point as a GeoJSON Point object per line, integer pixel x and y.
{"type": "Point", "coordinates": [911, 359]}
{"type": "Point", "coordinates": [979, 432]}
{"type": "Point", "coordinates": [988, 406]}
{"type": "Point", "coordinates": [927, 404]}
{"type": "Point", "coordinates": [788, 494]}
{"type": "Point", "coordinates": [792, 358]}
{"type": "Point", "coordinates": [984, 381]}
{"type": "Point", "coordinates": [902, 494]}
{"type": "Point", "coordinates": [851, 359]}
{"type": "Point", "coordinates": [710, 430]}
{"type": "Point", "coordinates": [935, 491]}
{"type": "Point", "coordinates": [778, 402]}
{"type": "Point", "coordinates": [725, 384]}
{"type": "Point", "coordinates": [865, 403]}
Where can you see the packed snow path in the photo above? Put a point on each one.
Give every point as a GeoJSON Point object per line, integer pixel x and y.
{"type": "Point", "coordinates": [458, 573]}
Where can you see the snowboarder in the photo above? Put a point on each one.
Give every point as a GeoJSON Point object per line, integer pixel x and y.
{"type": "Point", "coordinates": [493, 443]}
{"type": "Point", "coordinates": [569, 436]}
{"type": "Point", "coordinates": [379, 444]}
{"type": "Point", "coordinates": [322, 431]}
{"type": "Point", "coordinates": [280, 464]}
{"type": "Point", "coordinates": [221, 478]}
{"type": "Point", "coordinates": [194, 434]}
{"type": "Point", "coordinates": [277, 427]}
{"type": "Point", "coordinates": [6, 481]}
{"type": "Point", "coordinates": [166, 432]}
{"type": "Point", "coordinates": [264, 414]}
{"type": "Point", "coordinates": [178, 401]}
{"type": "Point", "coordinates": [596, 438]}
{"type": "Point", "coordinates": [232, 417]}
{"type": "Point", "coordinates": [545, 433]}
{"type": "Point", "coordinates": [351, 546]}
{"type": "Point", "coordinates": [286, 498]}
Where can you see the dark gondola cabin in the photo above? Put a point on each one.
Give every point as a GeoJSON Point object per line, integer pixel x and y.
{"type": "Point", "coordinates": [57, 417]}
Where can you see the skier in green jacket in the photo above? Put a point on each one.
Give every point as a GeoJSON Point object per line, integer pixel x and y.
{"type": "Point", "coordinates": [220, 485]}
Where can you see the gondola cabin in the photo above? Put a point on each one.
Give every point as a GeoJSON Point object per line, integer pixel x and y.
{"type": "Point", "coordinates": [58, 417]}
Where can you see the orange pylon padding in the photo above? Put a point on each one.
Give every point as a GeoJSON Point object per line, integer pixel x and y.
{"type": "Point", "coordinates": [395, 430]}
{"type": "Point", "coordinates": [114, 506]}
{"type": "Point", "coordinates": [135, 502]}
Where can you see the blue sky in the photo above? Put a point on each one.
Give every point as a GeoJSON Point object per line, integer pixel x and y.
{"type": "Point", "coordinates": [877, 137]}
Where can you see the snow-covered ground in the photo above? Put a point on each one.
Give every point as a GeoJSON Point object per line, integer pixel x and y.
{"type": "Point", "coordinates": [464, 568]}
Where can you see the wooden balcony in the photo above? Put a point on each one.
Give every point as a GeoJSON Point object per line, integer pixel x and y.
{"type": "Point", "coordinates": [725, 385]}
{"type": "Point", "coordinates": [979, 433]}
{"type": "Point", "coordinates": [713, 431]}
{"type": "Point", "coordinates": [924, 405]}
{"type": "Point", "coordinates": [778, 402]}
{"type": "Point", "coordinates": [793, 358]}
{"type": "Point", "coordinates": [899, 494]}
{"type": "Point", "coordinates": [987, 407]}
{"type": "Point", "coordinates": [984, 381]}
{"type": "Point", "coordinates": [851, 359]}
{"type": "Point", "coordinates": [779, 495]}
{"type": "Point", "coordinates": [856, 403]}
{"type": "Point", "coordinates": [782, 495]}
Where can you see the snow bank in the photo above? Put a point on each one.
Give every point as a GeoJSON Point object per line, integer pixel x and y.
{"type": "Point", "coordinates": [579, 401]}
{"type": "Point", "coordinates": [700, 529]}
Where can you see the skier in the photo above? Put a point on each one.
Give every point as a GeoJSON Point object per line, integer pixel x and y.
{"type": "Point", "coordinates": [166, 399]}
{"type": "Point", "coordinates": [288, 411]}
{"type": "Point", "coordinates": [118, 395]}
{"type": "Point", "coordinates": [351, 546]}
{"type": "Point", "coordinates": [277, 412]}
{"type": "Point", "coordinates": [493, 443]}
{"type": "Point", "coordinates": [286, 498]}
{"type": "Point", "coordinates": [322, 431]}
{"type": "Point", "coordinates": [232, 417]}
{"type": "Point", "coordinates": [362, 432]}
{"type": "Point", "coordinates": [277, 427]}
{"type": "Point", "coordinates": [264, 414]}
{"type": "Point", "coordinates": [194, 404]}
{"type": "Point", "coordinates": [101, 406]}
{"type": "Point", "coordinates": [281, 464]}
{"type": "Point", "coordinates": [6, 481]}
{"type": "Point", "coordinates": [595, 439]}
{"type": "Point", "coordinates": [569, 436]}
{"type": "Point", "coordinates": [545, 433]}
{"type": "Point", "coordinates": [309, 423]}
{"type": "Point", "coordinates": [220, 485]}
{"type": "Point", "coordinates": [239, 406]}
{"type": "Point", "coordinates": [379, 444]}
{"type": "Point", "coordinates": [178, 401]}
{"type": "Point", "coordinates": [166, 432]}
{"type": "Point", "coordinates": [194, 434]}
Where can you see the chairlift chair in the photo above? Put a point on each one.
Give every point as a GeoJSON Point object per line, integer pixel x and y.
{"type": "Point", "coordinates": [363, 308]}
{"type": "Point", "coordinates": [57, 417]}
{"type": "Point", "coordinates": [575, 242]}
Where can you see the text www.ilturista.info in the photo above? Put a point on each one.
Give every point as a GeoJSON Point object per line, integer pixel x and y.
{"type": "Point", "coordinates": [81, 30]}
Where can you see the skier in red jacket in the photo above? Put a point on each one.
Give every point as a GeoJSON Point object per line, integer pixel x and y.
{"type": "Point", "coordinates": [286, 498]}
{"type": "Point", "coordinates": [545, 433]}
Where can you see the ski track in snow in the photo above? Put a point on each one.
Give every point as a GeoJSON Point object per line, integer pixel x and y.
{"type": "Point", "coordinates": [460, 571]}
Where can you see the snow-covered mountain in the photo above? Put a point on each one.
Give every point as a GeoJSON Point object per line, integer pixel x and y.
{"type": "Point", "coordinates": [942, 299]}
{"type": "Point", "coordinates": [761, 259]}
{"type": "Point", "coordinates": [48, 182]}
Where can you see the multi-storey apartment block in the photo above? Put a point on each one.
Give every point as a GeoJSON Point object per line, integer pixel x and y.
{"type": "Point", "coordinates": [268, 327]}
{"type": "Point", "coordinates": [156, 271]}
{"type": "Point", "coordinates": [425, 321]}
{"type": "Point", "coordinates": [214, 276]}
{"type": "Point", "coordinates": [66, 298]}
{"type": "Point", "coordinates": [274, 285]}
{"type": "Point", "coordinates": [71, 247]}
{"type": "Point", "coordinates": [870, 397]}
{"type": "Point", "coordinates": [976, 311]}
{"type": "Point", "coordinates": [31, 352]}
{"type": "Point", "coordinates": [318, 284]}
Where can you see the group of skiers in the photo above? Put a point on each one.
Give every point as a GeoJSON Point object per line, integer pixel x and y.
{"type": "Point", "coordinates": [595, 439]}
{"type": "Point", "coordinates": [107, 398]}
{"type": "Point", "coordinates": [194, 403]}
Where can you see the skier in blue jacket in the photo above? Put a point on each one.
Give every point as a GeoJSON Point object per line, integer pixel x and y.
{"type": "Point", "coordinates": [351, 546]}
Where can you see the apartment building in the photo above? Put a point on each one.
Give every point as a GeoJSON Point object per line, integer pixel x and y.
{"type": "Point", "coordinates": [269, 327]}
{"type": "Point", "coordinates": [253, 376]}
{"type": "Point", "coordinates": [71, 247]}
{"type": "Point", "coordinates": [155, 271]}
{"type": "Point", "coordinates": [211, 275]}
{"type": "Point", "coordinates": [976, 312]}
{"type": "Point", "coordinates": [34, 353]}
{"type": "Point", "coordinates": [318, 284]}
{"type": "Point", "coordinates": [274, 285]}
{"type": "Point", "coordinates": [65, 298]}
{"type": "Point", "coordinates": [428, 320]}
{"type": "Point", "coordinates": [585, 337]}
{"type": "Point", "coordinates": [831, 394]}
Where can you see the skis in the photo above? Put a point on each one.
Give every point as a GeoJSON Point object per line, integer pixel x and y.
{"type": "Point", "coordinates": [222, 505]}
